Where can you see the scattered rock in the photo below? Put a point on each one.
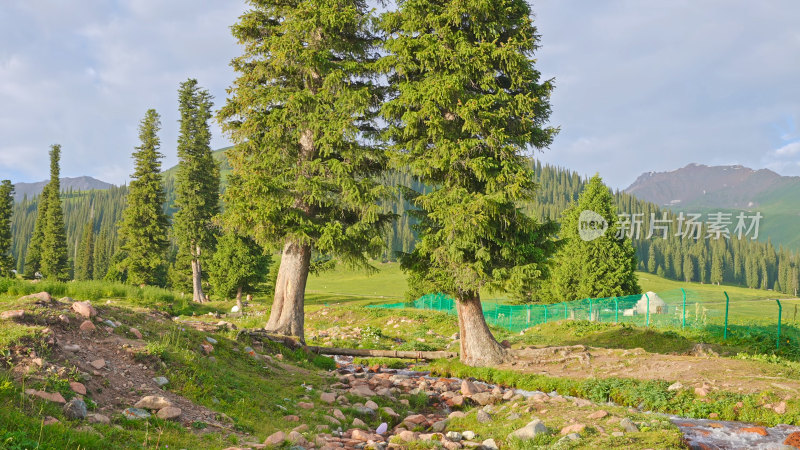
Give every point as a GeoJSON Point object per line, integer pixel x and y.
{"type": "Point", "coordinates": [793, 440]}
{"type": "Point", "coordinates": [296, 438]}
{"type": "Point", "coordinates": [98, 363]}
{"type": "Point", "coordinates": [87, 326]}
{"type": "Point", "coordinates": [483, 417]}
{"type": "Point", "coordinates": [339, 414]}
{"type": "Point", "coordinates": [456, 415]}
{"type": "Point", "coordinates": [169, 413]}
{"type": "Point", "coordinates": [676, 386]}
{"type": "Point", "coordinates": [489, 443]}
{"type": "Point", "coordinates": [701, 391]}
{"type": "Point", "coordinates": [135, 332]}
{"type": "Point", "coordinates": [531, 430]}
{"type": "Point", "coordinates": [110, 323]}
{"type": "Point", "coordinates": [78, 388]}
{"type": "Point", "coordinates": [54, 397]}
{"type": "Point", "coordinates": [71, 347]}
{"type": "Point", "coordinates": [484, 398]}
{"type": "Point", "coordinates": [574, 428]}
{"type": "Point", "coordinates": [291, 418]}
{"type": "Point", "coordinates": [363, 390]}
{"type": "Point", "coordinates": [275, 439]}
{"type": "Point", "coordinates": [49, 420]}
{"type": "Point", "coordinates": [358, 423]}
{"type": "Point", "coordinates": [597, 414]}
{"type": "Point", "coordinates": [154, 402]}
{"type": "Point", "coordinates": [628, 425]}
{"type": "Point", "coordinates": [41, 296]}
{"type": "Point", "coordinates": [14, 314]}
{"type": "Point", "coordinates": [211, 340]}
{"type": "Point", "coordinates": [161, 381]}
{"type": "Point", "coordinates": [468, 388]}
{"type": "Point", "coordinates": [305, 405]}
{"type": "Point", "coordinates": [75, 409]}
{"type": "Point", "coordinates": [371, 405]}
{"type": "Point", "coordinates": [757, 430]}
{"type": "Point", "coordinates": [135, 413]}
{"type": "Point", "coordinates": [207, 348]}
{"type": "Point", "coordinates": [390, 412]}
{"type": "Point", "coordinates": [439, 426]}
{"type": "Point", "coordinates": [382, 428]}
{"type": "Point", "coordinates": [407, 436]}
{"type": "Point", "coordinates": [84, 309]}
{"type": "Point", "coordinates": [97, 418]}
{"type": "Point", "coordinates": [327, 397]}
{"type": "Point", "coordinates": [454, 436]}
{"type": "Point", "coordinates": [780, 408]}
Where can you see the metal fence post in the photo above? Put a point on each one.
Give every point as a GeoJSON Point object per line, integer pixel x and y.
{"type": "Point", "coordinates": [684, 308]}
{"type": "Point", "coordinates": [780, 311]}
{"type": "Point", "coordinates": [565, 310]}
{"type": "Point", "coordinates": [616, 310]}
{"type": "Point", "coordinates": [648, 309]}
{"type": "Point", "coordinates": [529, 314]}
{"type": "Point", "coordinates": [591, 316]}
{"type": "Point", "coordinates": [727, 304]}
{"type": "Point", "coordinates": [545, 313]}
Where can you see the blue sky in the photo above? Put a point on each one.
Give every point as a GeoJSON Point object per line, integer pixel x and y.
{"type": "Point", "coordinates": [640, 86]}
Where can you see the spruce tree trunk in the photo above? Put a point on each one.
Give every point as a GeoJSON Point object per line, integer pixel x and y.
{"type": "Point", "coordinates": [286, 316]}
{"type": "Point", "coordinates": [239, 299]}
{"type": "Point", "coordinates": [197, 277]}
{"type": "Point", "coordinates": [478, 346]}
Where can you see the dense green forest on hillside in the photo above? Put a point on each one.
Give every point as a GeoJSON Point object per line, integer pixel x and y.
{"type": "Point", "coordinates": [729, 261]}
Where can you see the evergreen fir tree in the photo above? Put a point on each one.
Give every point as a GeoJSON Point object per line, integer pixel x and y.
{"type": "Point", "coordinates": [601, 267]}
{"type": "Point", "coordinates": [84, 263]}
{"type": "Point", "coordinates": [6, 210]}
{"type": "Point", "coordinates": [197, 182]}
{"type": "Point", "coordinates": [143, 232]}
{"type": "Point", "coordinates": [238, 266]}
{"type": "Point", "coordinates": [304, 167]}
{"type": "Point", "coordinates": [101, 256]}
{"type": "Point", "coordinates": [467, 105]}
{"type": "Point", "coordinates": [54, 256]}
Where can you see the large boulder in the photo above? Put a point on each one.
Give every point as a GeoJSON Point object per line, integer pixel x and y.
{"type": "Point", "coordinates": [657, 304]}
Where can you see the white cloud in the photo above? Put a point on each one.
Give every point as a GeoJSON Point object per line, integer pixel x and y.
{"type": "Point", "coordinates": [790, 149]}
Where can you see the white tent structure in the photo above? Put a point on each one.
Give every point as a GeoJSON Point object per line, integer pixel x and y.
{"type": "Point", "coordinates": [657, 304]}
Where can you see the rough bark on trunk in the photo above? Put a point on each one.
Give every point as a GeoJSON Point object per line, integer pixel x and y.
{"type": "Point", "coordinates": [197, 277]}
{"type": "Point", "coordinates": [478, 346]}
{"type": "Point", "coordinates": [286, 316]}
{"type": "Point", "coordinates": [239, 299]}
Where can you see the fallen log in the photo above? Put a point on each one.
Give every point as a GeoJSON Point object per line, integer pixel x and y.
{"type": "Point", "coordinates": [294, 343]}
{"type": "Point", "coordinates": [405, 354]}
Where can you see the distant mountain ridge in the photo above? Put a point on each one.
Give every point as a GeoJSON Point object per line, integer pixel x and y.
{"type": "Point", "coordinates": [85, 183]}
{"type": "Point", "coordinates": [700, 188]}
{"type": "Point", "coordinates": [710, 186]}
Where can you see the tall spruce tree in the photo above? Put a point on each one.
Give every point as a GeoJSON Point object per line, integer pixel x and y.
{"type": "Point", "coordinates": [143, 231]}
{"type": "Point", "coordinates": [304, 167]}
{"type": "Point", "coordinates": [600, 267]}
{"type": "Point", "coordinates": [238, 266]}
{"type": "Point", "coordinates": [197, 181]}
{"type": "Point", "coordinates": [84, 262]}
{"type": "Point", "coordinates": [7, 263]}
{"type": "Point", "coordinates": [468, 103]}
{"type": "Point", "coordinates": [54, 256]}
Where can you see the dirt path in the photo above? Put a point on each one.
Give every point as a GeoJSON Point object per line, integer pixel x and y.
{"type": "Point", "coordinates": [580, 361]}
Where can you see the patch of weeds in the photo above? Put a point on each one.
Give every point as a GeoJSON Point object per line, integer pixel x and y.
{"type": "Point", "coordinates": [323, 362]}
{"type": "Point", "coordinates": [199, 425]}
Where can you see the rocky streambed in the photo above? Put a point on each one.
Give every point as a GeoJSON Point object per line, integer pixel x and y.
{"type": "Point", "coordinates": [463, 411]}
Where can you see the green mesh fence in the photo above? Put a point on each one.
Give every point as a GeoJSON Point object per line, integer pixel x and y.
{"type": "Point", "coordinates": [678, 308]}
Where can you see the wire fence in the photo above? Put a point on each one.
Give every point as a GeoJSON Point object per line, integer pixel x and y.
{"type": "Point", "coordinates": [677, 308]}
